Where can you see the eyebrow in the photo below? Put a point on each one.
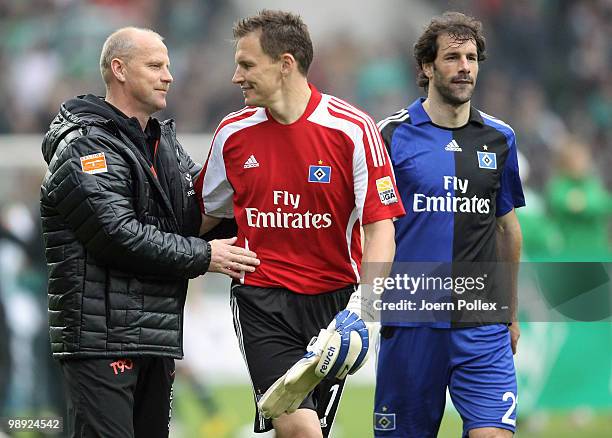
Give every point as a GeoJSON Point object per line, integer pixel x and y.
{"type": "Point", "coordinates": [242, 59]}
{"type": "Point", "coordinates": [157, 61]}
{"type": "Point", "coordinates": [452, 50]}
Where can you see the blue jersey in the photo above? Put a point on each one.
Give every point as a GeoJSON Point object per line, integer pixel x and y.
{"type": "Point", "coordinates": [453, 183]}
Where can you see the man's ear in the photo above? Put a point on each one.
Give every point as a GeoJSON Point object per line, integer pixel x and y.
{"type": "Point", "coordinates": [118, 69]}
{"type": "Point", "coordinates": [428, 69]}
{"type": "Point", "coordinates": [288, 63]}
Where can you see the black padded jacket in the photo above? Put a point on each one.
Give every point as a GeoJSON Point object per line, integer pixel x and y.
{"type": "Point", "coordinates": [120, 245]}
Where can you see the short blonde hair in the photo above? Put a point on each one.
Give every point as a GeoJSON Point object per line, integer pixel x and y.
{"type": "Point", "coordinates": [119, 44]}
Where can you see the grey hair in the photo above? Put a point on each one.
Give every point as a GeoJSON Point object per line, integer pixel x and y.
{"type": "Point", "coordinates": [119, 44]}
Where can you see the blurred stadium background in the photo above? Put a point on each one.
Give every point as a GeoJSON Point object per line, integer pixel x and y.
{"type": "Point", "coordinates": [549, 74]}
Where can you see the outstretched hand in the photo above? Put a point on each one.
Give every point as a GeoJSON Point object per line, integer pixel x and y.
{"type": "Point", "coordinates": [231, 260]}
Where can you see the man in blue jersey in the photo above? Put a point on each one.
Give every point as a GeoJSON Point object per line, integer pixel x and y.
{"type": "Point", "coordinates": [457, 173]}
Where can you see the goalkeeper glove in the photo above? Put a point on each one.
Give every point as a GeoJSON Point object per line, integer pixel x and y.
{"type": "Point", "coordinates": [339, 350]}
{"type": "Point", "coordinates": [346, 348]}
{"type": "Point", "coordinates": [289, 391]}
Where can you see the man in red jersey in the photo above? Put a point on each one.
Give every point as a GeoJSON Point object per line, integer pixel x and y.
{"type": "Point", "coordinates": [301, 172]}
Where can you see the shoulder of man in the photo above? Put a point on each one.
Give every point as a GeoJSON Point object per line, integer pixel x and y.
{"type": "Point", "coordinates": [388, 125]}
{"type": "Point", "coordinates": [89, 139]}
{"type": "Point", "coordinates": [348, 113]}
{"type": "Point", "coordinates": [89, 153]}
{"type": "Point", "coordinates": [237, 116]}
{"type": "Point", "coordinates": [498, 124]}
{"type": "Point", "coordinates": [168, 133]}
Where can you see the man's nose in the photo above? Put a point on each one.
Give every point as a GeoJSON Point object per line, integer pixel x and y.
{"type": "Point", "coordinates": [238, 76]}
{"type": "Point", "coordinates": [464, 64]}
{"type": "Point", "coordinates": [167, 76]}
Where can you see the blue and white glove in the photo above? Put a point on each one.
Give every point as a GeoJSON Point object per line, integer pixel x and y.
{"type": "Point", "coordinates": [347, 346]}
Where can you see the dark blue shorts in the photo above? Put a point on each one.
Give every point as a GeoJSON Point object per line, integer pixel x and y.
{"type": "Point", "coordinates": [417, 364]}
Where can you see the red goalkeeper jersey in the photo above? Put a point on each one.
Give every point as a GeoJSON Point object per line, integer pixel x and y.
{"type": "Point", "coordinates": [300, 192]}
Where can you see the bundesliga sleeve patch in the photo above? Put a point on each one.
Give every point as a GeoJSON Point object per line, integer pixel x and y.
{"type": "Point", "coordinates": [94, 163]}
{"type": "Point", "coordinates": [385, 189]}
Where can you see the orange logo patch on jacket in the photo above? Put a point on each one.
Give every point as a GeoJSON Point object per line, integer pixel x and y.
{"type": "Point", "coordinates": [94, 163]}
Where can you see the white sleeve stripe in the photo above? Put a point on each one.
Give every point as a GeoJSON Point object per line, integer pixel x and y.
{"type": "Point", "coordinates": [395, 115]}
{"type": "Point", "coordinates": [366, 129]}
{"type": "Point", "coordinates": [400, 116]}
{"type": "Point", "coordinates": [239, 112]}
{"type": "Point", "coordinates": [247, 120]}
{"type": "Point", "coordinates": [233, 115]}
{"type": "Point", "coordinates": [371, 125]}
{"type": "Point", "coordinates": [383, 123]}
{"type": "Point", "coordinates": [493, 119]}
{"type": "Point", "coordinates": [379, 142]}
{"type": "Point", "coordinates": [243, 110]}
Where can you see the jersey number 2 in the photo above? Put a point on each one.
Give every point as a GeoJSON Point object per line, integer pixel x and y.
{"type": "Point", "coordinates": [506, 418]}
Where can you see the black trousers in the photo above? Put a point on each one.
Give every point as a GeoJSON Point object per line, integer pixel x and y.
{"type": "Point", "coordinates": [118, 397]}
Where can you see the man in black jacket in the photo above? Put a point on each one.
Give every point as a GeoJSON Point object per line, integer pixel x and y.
{"type": "Point", "coordinates": [120, 224]}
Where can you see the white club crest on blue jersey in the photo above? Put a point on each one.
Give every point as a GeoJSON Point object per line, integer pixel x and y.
{"type": "Point", "coordinates": [487, 160]}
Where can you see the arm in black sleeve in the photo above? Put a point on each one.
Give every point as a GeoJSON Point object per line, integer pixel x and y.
{"type": "Point", "coordinates": [226, 229]}
{"type": "Point", "coordinates": [99, 209]}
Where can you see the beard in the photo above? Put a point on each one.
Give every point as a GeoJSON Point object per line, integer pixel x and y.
{"type": "Point", "coordinates": [453, 94]}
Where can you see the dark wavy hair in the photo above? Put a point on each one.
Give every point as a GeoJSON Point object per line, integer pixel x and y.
{"type": "Point", "coordinates": [459, 26]}
{"type": "Point", "coordinates": [281, 32]}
